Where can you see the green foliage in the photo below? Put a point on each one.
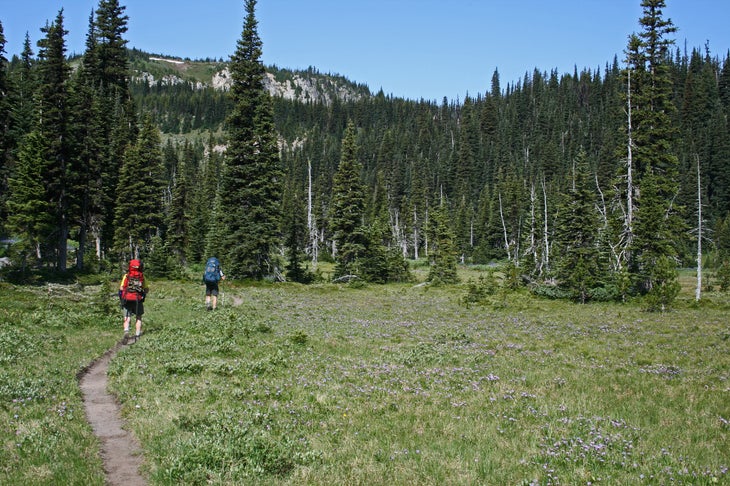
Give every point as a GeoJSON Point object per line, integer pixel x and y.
{"type": "Point", "coordinates": [251, 184]}
{"type": "Point", "coordinates": [723, 276]}
{"type": "Point", "coordinates": [106, 301]}
{"type": "Point", "coordinates": [665, 287]}
{"type": "Point", "coordinates": [506, 184]}
{"type": "Point", "coordinates": [443, 266]}
{"type": "Point", "coordinates": [348, 206]}
{"type": "Point", "coordinates": [481, 290]}
{"type": "Point", "coordinates": [378, 263]}
{"type": "Point", "coordinates": [48, 333]}
{"type": "Point", "coordinates": [139, 215]}
{"type": "Point", "coordinates": [307, 380]}
{"type": "Point", "coordinates": [575, 248]}
{"type": "Point", "coordinates": [30, 214]}
{"type": "Point", "coordinates": [292, 380]}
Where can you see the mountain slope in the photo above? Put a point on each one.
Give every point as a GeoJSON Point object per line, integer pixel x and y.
{"type": "Point", "coordinates": [305, 86]}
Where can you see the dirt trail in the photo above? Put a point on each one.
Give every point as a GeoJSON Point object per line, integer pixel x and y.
{"type": "Point", "coordinates": [120, 451]}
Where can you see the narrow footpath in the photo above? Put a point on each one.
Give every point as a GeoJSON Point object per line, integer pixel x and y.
{"type": "Point", "coordinates": [120, 450]}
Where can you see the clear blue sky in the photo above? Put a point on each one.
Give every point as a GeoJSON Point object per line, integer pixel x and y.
{"type": "Point", "coordinates": [410, 48]}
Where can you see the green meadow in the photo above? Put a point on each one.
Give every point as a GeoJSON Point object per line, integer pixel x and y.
{"type": "Point", "coordinates": [363, 384]}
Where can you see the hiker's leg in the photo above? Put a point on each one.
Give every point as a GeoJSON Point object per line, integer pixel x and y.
{"type": "Point", "coordinates": [138, 316]}
{"type": "Point", "coordinates": [207, 295]}
{"type": "Point", "coordinates": [127, 320]}
{"type": "Point", "coordinates": [214, 294]}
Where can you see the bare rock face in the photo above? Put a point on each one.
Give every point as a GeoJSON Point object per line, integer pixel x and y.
{"type": "Point", "coordinates": [307, 87]}
{"type": "Point", "coordinates": [221, 80]}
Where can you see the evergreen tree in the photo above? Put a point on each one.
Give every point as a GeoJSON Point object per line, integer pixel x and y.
{"type": "Point", "coordinates": [23, 81]}
{"type": "Point", "coordinates": [654, 237]}
{"type": "Point", "coordinates": [295, 231]}
{"type": "Point", "coordinates": [53, 124]}
{"type": "Point", "coordinates": [106, 63]}
{"type": "Point", "coordinates": [444, 255]}
{"type": "Point", "coordinates": [250, 192]}
{"type": "Point", "coordinates": [30, 212]}
{"type": "Point", "coordinates": [665, 285]}
{"type": "Point", "coordinates": [722, 238]}
{"type": "Point", "coordinates": [657, 222]}
{"type": "Point", "coordinates": [378, 262]}
{"type": "Point", "coordinates": [111, 59]}
{"type": "Point", "coordinates": [178, 215]}
{"type": "Point", "coordinates": [4, 128]}
{"type": "Point", "coordinates": [576, 248]}
{"type": "Point", "coordinates": [21, 88]}
{"type": "Point", "coordinates": [348, 206]}
{"type": "Point", "coordinates": [87, 133]}
{"type": "Point", "coordinates": [203, 203]}
{"type": "Point", "coordinates": [139, 210]}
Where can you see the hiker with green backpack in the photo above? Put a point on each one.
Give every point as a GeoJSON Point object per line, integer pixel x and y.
{"type": "Point", "coordinates": [212, 275]}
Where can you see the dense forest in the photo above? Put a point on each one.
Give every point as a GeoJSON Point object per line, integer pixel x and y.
{"type": "Point", "coordinates": [585, 185]}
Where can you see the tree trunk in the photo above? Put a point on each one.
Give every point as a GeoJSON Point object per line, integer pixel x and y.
{"type": "Point", "coordinates": [82, 247]}
{"type": "Point", "coordinates": [629, 172]}
{"type": "Point", "coordinates": [546, 250]}
{"type": "Point", "coordinates": [311, 224]}
{"type": "Point", "coordinates": [698, 291]}
{"type": "Point", "coordinates": [415, 234]}
{"type": "Point", "coordinates": [62, 244]}
{"type": "Point", "coordinates": [504, 229]}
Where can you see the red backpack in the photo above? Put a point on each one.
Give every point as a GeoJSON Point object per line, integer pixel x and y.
{"type": "Point", "coordinates": [134, 283]}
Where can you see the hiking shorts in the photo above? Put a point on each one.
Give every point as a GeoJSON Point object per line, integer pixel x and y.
{"type": "Point", "coordinates": [133, 307]}
{"type": "Point", "coordinates": [211, 288]}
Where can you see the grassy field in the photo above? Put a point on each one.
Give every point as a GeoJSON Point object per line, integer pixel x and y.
{"type": "Point", "coordinates": [398, 384]}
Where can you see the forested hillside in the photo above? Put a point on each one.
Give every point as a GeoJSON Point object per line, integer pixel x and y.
{"type": "Point", "coordinates": [590, 184]}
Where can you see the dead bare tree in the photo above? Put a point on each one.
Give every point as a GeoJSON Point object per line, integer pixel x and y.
{"type": "Point", "coordinates": [629, 170]}
{"type": "Point", "coordinates": [311, 223]}
{"type": "Point", "coordinates": [546, 250]}
{"type": "Point", "coordinates": [532, 249]}
{"type": "Point", "coordinates": [504, 229]}
{"type": "Point", "coordinates": [698, 290]}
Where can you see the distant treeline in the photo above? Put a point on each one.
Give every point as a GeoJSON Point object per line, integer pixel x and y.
{"type": "Point", "coordinates": [592, 183]}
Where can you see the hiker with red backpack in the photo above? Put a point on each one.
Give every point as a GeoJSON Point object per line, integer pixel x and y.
{"type": "Point", "coordinates": [132, 292]}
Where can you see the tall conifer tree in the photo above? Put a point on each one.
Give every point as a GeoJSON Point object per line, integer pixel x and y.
{"type": "Point", "coordinates": [23, 82]}
{"type": "Point", "coordinates": [444, 254]}
{"type": "Point", "coordinates": [53, 125]}
{"type": "Point", "coordinates": [657, 224]}
{"type": "Point", "coordinates": [576, 249]}
{"type": "Point", "coordinates": [178, 215]}
{"type": "Point", "coordinates": [252, 181]}
{"type": "Point", "coordinates": [21, 89]}
{"type": "Point", "coordinates": [30, 214]}
{"type": "Point", "coordinates": [4, 126]}
{"type": "Point", "coordinates": [139, 211]}
{"type": "Point", "coordinates": [87, 131]}
{"type": "Point", "coordinates": [107, 67]}
{"type": "Point", "coordinates": [348, 206]}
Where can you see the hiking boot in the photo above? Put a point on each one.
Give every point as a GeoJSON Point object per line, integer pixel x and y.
{"type": "Point", "coordinates": [125, 339]}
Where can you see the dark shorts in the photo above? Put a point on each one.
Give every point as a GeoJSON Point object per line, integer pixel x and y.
{"type": "Point", "coordinates": [133, 307]}
{"type": "Point", "coordinates": [211, 288]}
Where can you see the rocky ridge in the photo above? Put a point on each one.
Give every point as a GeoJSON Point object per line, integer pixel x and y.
{"type": "Point", "coordinates": [305, 86]}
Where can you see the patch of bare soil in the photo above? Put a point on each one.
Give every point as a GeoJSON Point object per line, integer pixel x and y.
{"type": "Point", "coordinates": [120, 450]}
